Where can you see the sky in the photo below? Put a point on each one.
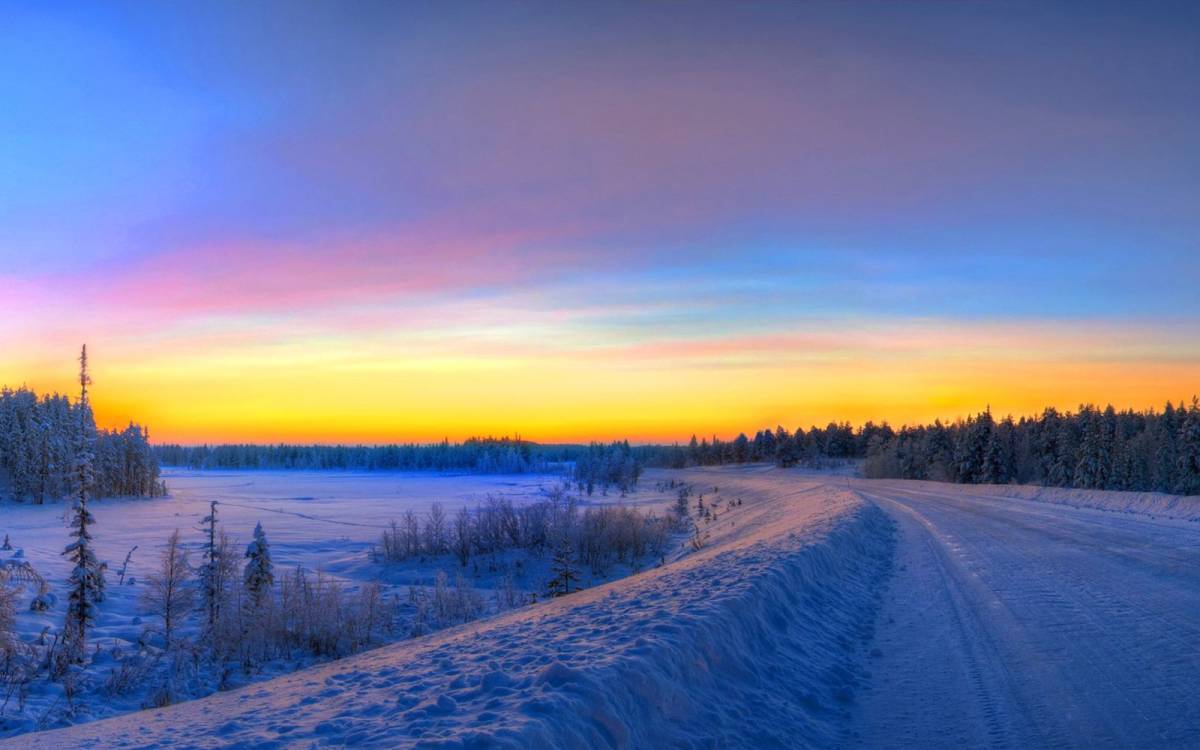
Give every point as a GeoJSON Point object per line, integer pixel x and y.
{"type": "Point", "coordinates": [381, 221]}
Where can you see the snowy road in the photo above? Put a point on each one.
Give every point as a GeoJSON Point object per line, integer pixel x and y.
{"type": "Point", "coordinates": [1021, 624]}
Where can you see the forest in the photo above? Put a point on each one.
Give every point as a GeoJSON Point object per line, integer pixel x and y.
{"type": "Point", "coordinates": [1091, 448]}
{"type": "Point", "coordinates": [44, 440]}
{"type": "Point", "coordinates": [593, 467]}
{"type": "Point", "coordinates": [484, 455]}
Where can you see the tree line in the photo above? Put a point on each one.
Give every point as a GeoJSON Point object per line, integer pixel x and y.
{"type": "Point", "coordinates": [1091, 448]}
{"type": "Point", "coordinates": [484, 455]}
{"type": "Point", "coordinates": [837, 441]}
{"type": "Point", "coordinates": [596, 466]}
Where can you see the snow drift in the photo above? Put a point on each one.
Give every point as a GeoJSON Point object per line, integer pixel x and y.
{"type": "Point", "coordinates": [1157, 504]}
{"type": "Point", "coordinates": [752, 641]}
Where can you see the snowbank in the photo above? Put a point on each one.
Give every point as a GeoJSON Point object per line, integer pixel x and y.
{"type": "Point", "coordinates": [1143, 503]}
{"type": "Point", "coordinates": [752, 641]}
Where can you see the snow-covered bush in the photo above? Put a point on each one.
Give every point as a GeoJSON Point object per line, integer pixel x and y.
{"type": "Point", "coordinates": [447, 605]}
{"type": "Point", "coordinates": [601, 535]}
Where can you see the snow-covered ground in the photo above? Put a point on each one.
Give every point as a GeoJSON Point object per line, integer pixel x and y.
{"type": "Point", "coordinates": [819, 612]}
{"type": "Point", "coordinates": [1155, 504]}
{"type": "Point", "coordinates": [768, 616]}
{"type": "Point", "coordinates": [327, 521]}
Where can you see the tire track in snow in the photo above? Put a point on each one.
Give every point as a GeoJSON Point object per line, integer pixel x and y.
{"type": "Point", "coordinates": [1094, 616]}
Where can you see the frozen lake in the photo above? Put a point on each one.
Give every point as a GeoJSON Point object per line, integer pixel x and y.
{"type": "Point", "coordinates": [319, 519]}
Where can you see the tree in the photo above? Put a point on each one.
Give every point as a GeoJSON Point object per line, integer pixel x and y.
{"type": "Point", "coordinates": [168, 595]}
{"type": "Point", "coordinates": [741, 448]}
{"type": "Point", "coordinates": [258, 575]}
{"type": "Point", "coordinates": [1188, 482]}
{"type": "Point", "coordinates": [462, 537]}
{"type": "Point", "coordinates": [997, 465]}
{"type": "Point", "coordinates": [218, 571]}
{"type": "Point", "coordinates": [970, 450]}
{"type": "Point", "coordinates": [1094, 464]}
{"type": "Point", "coordinates": [8, 617]}
{"type": "Point", "coordinates": [86, 582]}
{"type": "Point", "coordinates": [787, 452]}
{"type": "Point", "coordinates": [681, 504]}
{"type": "Point", "coordinates": [435, 530]}
{"type": "Point", "coordinates": [563, 567]}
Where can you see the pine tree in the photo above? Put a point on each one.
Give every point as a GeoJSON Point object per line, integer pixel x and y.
{"type": "Point", "coordinates": [86, 582]}
{"type": "Point", "coordinates": [971, 449]}
{"type": "Point", "coordinates": [258, 575]}
{"type": "Point", "coordinates": [563, 567]}
{"type": "Point", "coordinates": [1188, 481]}
{"type": "Point", "coordinates": [787, 453]}
{"type": "Point", "coordinates": [1092, 468]}
{"type": "Point", "coordinates": [1164, 464]}
{"type": "Point", "coordinates": [741, 448]}
{"type": "Point", "coordinates": [681, 505]}
{"type": "Point", "coordinates": [211, 585]}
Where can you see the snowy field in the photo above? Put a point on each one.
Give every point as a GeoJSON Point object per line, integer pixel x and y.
{"type": "Point", "coordinates": [819, 612]}
{"type": "Point", "coordinates": [322, 521]}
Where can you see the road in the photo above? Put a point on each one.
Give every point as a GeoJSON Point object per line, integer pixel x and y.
{"type": "Point", "coordinates": [1020, 624]}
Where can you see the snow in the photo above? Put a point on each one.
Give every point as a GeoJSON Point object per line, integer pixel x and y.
{"type": "Point", "coordinates": [1011, 622]}
{"type": "Point", "coordinates": [1155, 504]}
{"type": "Point", "coordinates": [320, 520]}
{"type": "Point", "coordinates": [820, 612]}
{"type": "Point", "coordinates": [769, 616]}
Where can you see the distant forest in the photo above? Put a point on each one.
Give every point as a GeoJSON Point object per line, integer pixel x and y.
{"type": "Point", "coordinates": [594, 467]}
{"type": "Point", "coordinates": [479, 455]}
{"type": "Point", "coordinates": [50, 449]}
{"type": "Point", "coordinates": [1091, 448]}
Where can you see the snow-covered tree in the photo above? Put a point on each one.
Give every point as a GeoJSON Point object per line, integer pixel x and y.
{"type": "Point", "coordinates": [217, 573]}
{"type": "Point", "coordinates": [258, 576]}
{"type": "Point", "coordinates": [168, 593]}
{"type": "Point", "coordinates": [86, 583]}
{"type": "Point", "coordinates": [563, 567]}
{"type": "Point", "coordinates": [435, 530]}
{"type": "Point", "coordinates": [787, 452]}
{"type": "Point", "coordinates": [970, 452]}
{"type": "Point", "coordinates": [1188, 452]}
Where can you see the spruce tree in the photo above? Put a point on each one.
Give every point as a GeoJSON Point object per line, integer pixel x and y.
{"type": "Point", "coordinates": [563, 567]}
{"type": "Point", "coordinates": [1188, 472]}
{"type": "Point", "coordinates": [211, 585]}
{"type": "Point", "coordinates": [258, 575]}
{"type": "Point", "coordinates": [1091, 470]}
{"type": "Point", "coordinates": [86, 583]}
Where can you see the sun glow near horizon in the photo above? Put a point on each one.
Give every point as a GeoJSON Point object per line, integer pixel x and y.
{"type": "Point", "coordinates": [280, 393]}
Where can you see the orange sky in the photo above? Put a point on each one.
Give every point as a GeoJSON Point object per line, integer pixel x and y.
{"type": "Point", "coordinates": [497, 382]}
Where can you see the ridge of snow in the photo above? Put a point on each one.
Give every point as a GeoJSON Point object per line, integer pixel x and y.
{"type": "Point", "coordinates": [1156, 504]}
{"type": "Point", "coordinates": [753, 640]}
